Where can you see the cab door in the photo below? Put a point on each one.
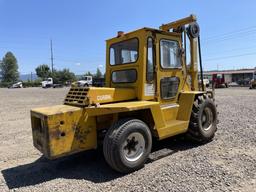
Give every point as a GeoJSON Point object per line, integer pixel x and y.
{"type": "Point", "coordinates": [169, 73]}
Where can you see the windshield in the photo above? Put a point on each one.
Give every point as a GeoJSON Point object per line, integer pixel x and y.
{"type": "Point", "coordinates": [170, 57]}
{"type": "Point", "coordinates": [124, 52]}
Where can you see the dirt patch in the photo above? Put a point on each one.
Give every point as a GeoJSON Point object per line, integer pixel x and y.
{"type": "Point", "coordinates": [228, 163]}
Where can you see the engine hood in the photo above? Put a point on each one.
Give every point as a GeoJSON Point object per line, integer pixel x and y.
{"type": "Point", "coordinates": [85, 96]}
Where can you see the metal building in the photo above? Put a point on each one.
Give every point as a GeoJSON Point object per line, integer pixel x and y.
{"type": "Point", "coordinates": [241, 76]}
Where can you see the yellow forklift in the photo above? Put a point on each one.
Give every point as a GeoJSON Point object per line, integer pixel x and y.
{"type": "Point", "coordinates": [151, 91]}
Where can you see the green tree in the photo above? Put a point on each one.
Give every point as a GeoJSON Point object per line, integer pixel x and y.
{"type": "Point", "coordinates": [43, 71]}
{"type": "Point", "coordinates": [88, 73]}
{"type": "Point", "coordinates": [62, 76]}
{"type": "Point", "coordinates": [98, 73]}
{"type": "Point", "coordinates": [9, 68]}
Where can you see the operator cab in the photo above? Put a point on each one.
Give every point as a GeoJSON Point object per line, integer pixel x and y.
{"type": "Point", "coordinates": [152, 62]}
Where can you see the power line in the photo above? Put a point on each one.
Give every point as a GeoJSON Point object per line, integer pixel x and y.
{"type": "Point", "coordinates": [244, 30]}
{"type": "Point", "coordinates": [231, 56]}
{"type": "Point", "coordinates": [221, 40]}
{"type": "Point", "coordinates": [231, 50]}
{"type": "Point", "coordinates": [227, 37]}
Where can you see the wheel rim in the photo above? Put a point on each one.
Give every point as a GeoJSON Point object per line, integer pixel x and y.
{"type": "Point", "coordinates": [207, 118]}
{"type": "Point", "coordinates": [133, 147]}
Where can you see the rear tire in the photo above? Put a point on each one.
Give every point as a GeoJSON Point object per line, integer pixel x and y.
{"type": "Point", "coordinates": [203, 120]}
{"type": "Point", "coordinates": [127, 145]}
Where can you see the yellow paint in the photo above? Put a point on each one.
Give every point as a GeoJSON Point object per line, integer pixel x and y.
{"type": "Point", "coordinates": [62, 129]}
{"type": "Point", "coordinates": [180, 22]}
{"type": "Point", "coordinates": [186, 102]}
{"type": "Point", "coordinates": [173, 127]}
{"type": "Point", "coordinates": [69, 128]}
{"type": "Point", "coordinates": [170, 111]}
{"type": "Point", "coordinates": [119, 107]}
{"type": "Point", "coordinates": [84, 96]}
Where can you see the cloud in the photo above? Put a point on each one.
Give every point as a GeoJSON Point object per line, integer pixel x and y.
{"type": "Point", "coordinates": [100, 66]}
{"type": "Point", "coordinates": [78, 64]}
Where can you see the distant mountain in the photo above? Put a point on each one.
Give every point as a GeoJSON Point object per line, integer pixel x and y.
{"type": "Point", "coordinates": [25, 77]}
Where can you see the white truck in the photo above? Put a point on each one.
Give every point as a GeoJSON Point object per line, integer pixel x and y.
{"type": "Point", "coordinates": [86, 81]}
{"type": "Point", "coordinates": [47, 83]}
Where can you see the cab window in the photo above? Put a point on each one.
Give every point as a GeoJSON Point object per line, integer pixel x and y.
{"type": "Point", "coordinates": [124, 52]}
{"type": "Point", "coordinates": [170, 57]}
{"type": "Point", "coordinates": [169, 87]}
{"type": "Point", "coordinates": [124, 76]}
{"type": "Point", "coordinates": [150, 60]}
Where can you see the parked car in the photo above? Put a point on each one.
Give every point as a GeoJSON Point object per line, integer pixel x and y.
{"type": "Point", "coordinates": [16, 85]}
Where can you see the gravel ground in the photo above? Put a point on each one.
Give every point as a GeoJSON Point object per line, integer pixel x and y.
{"type": "Point", "coordinates": [228, 163]}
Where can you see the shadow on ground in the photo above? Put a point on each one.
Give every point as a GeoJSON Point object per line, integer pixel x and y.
{"type": "Point", "coordinates": [89, 165]}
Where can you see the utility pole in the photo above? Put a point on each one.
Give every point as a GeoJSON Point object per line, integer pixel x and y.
{"type": "Point", "coordinates": [51, 55]}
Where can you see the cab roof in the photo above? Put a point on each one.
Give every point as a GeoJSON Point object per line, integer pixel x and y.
{"type": "Point", "coordinates": [146, 29]}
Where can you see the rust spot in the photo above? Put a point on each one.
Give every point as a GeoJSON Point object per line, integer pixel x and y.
{"type": "Point", "coordinates": [81, 134]}
{"type": "Point", "coordinates": [75, 126]}
{"type": "Point", "coordinates": [55, 134]}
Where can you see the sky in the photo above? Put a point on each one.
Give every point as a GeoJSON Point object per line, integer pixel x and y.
{"type": "Point", "coordinates": [79, 29]}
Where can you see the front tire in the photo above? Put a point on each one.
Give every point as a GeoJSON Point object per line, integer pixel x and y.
{"type": "Point", "coordinates": [127, 145]}
{"type": "Point", "coordinates": [203, 120]}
